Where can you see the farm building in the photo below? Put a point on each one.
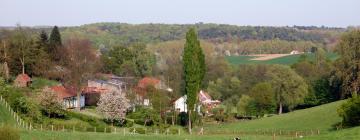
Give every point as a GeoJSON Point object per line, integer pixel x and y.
{"type": "Point", "coordinates": [294, 52]}
{"type": "Point", "coordinates": [68, 96]}
{"type": "Point", "coordinates": [141, 89]}
{"type": "Point", "coordinates": [22, 80]}
{"type": "Point", "coordinates": [204, 98]}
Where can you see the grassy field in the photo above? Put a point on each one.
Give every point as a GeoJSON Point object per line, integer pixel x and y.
{"type": "Point", "coordinates": [5, 116]}
{"type": "Point", "coordinates": [317, 118]}
{"type": "Point", "coordinates": [286, 60]}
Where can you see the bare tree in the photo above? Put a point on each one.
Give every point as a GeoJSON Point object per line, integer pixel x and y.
{"type": "Point", "coordinates": [80, 63]}
{"type": "Point", "coordinates": [5, 66]}
{"type": "Point", "coordinates": [113, 105]}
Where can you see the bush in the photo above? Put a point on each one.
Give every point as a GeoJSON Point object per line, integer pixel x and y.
{"type": "Point", "coordinates": [183, 118]}
{"type": "Point", "coordinates": [120, 123]}
{"type": "Point", "coordinates": [91, 120]}
{"type": "Point", "coordinates": [143, 115]}
{"type": "Point", "coordinates": [9, 133]}
{"type": "Point", "coordinates": [350, 112]}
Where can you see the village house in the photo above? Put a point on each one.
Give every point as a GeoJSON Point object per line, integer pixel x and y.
{"type": "Point", "coordinates": [295, 52]}
{"type": "Point", "coordinates": [141, 89]}
{"type": "Point", "coordinates": [97, 87]}
{"type": "Point", "coordinates": [204, 99]}
{"type": "Point", "coordinates": [68, 96]}
{"type": "Point", "coordinates": [22, 80]}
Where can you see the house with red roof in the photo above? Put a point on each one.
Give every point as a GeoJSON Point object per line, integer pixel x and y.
{"type": "Point", "coordinates": [68, 96]}
{"type": "Point", "coordinates": [142, 87]}
{"type": "Point", "coordinates": [22, 80]}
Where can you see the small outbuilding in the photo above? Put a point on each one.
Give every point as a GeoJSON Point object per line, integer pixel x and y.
{"type": "Point", "coordinates": [22, 80]}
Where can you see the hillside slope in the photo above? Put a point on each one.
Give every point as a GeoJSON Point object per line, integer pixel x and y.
{"type": "Point", "coordinates": [5, 116]}
{"type": "Point", "coordinates": [320, 117]}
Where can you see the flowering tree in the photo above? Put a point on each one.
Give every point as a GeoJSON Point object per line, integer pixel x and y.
{"type": "Point", "coordinates": [50, 103]}
{"type": "Point", "coordinates": [113, 105]}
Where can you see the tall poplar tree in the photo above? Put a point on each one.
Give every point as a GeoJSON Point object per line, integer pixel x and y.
{"type": "Point", "coordinates": [194, 71]}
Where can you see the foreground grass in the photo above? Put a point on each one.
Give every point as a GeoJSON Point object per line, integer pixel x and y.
{"type": "Point", "coordinates": [36, 135]}
{"type": "Point", "coordinates": [317, 118]}
{"type": "Point", "coordinates": [345, 134]}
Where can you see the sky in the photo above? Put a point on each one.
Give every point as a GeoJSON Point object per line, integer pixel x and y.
{"type": "Point", "coordinates": [334, 13]}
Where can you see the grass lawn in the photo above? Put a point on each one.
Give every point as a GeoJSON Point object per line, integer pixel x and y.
{"type": "Point", "coordinates": [286, 60]}
{"type": "Point", "coordinates": [320, 117]}
{"type": "Point", "coordinates": [345, 134]}
{"type": "Point", "coordinates": [36, 135]}
{"type": "Point", "coordinates": [5, 116]}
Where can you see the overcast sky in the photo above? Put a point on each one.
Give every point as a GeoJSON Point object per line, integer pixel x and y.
{"type": "Point", "coordinates": [338, 13]}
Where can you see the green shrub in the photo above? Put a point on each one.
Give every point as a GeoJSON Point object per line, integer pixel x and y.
{"type": "Point", "coordinates": [9, 133]}
{"type": "Point", "coordinates": [91, 120]}
{"type": "Point", "coordinates": [143, 115]}
{"type": "Point", "coordinates": [350, 112]}
{"type": "Point", "coordinates": [38, 83]}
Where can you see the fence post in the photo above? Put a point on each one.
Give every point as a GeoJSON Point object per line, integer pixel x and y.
{"type": "Point", "coordinates": [179, 131]}
{"type": "Point", "coordinates": [318, 132]}
{"type": "Point", "coordinates": [63, 128]}
{"type": "Point", "coordinates": [296, 134]}
{"type": "Point", "coordinates": [94, 129]}
{"type": "Point", "coordinates": [115, 130]}
{"type": "Point", "coordinates": [73, 128]}
{"type": "Point", "coordinates": [40, 127]}
{"type": "Point", "coordinates": [105, 130]}
{"type": "Point", "coordinates": [274, 136]}
{"type": "Point", "coordinates": [52, 127]}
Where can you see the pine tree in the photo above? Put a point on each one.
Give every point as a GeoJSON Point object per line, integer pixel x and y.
{"type": "Point", "coordinates": [55, 44]}
{"type": "Point", "coordinates": [194, 70]}
{"type": "Point", "coordinates": [55, 38]}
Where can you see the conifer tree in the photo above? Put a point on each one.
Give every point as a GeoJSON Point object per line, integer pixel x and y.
{"type": "Point", "coordinates": [55, 44]}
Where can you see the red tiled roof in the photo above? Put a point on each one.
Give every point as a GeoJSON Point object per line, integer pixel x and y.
{"type": "Point", "coordinates": [94, 90]}
{"type": "Point", "coordinates": [63, 92]}
{"type": "Point", "coordinates": [148, 81]}
{"type": "Point", "coordinates": [23, 77]}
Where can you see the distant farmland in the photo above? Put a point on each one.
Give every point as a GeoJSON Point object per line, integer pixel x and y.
{"type": "Point", "coordinates": [286, 60]}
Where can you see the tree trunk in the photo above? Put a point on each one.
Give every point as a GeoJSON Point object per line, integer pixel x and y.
{"type": "Point", "coordinates": [189, 121]}
{"type": "Point", "coordinates": [6, 71]}
{"type": "Point", "coordinates": [78, 106]}
{"type": "Point", "coordinates": [280, 108]}
{"type": "Point", "coordinates": [23, 66]}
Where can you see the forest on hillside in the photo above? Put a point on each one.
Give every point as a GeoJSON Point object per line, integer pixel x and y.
{"type": "Point", "coordinates": [236, 39]}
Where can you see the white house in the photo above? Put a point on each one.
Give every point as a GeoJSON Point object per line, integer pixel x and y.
{"type": "Point", "coordinates": [294, 52]}
{"type": "Point", "coordinates": [204, 99]}
{"type": "Point", "coordinates": [180, 104]}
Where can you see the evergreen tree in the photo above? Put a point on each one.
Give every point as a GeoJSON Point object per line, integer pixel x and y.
{"type": "Point", "coordinates": [194, 70]}
{"type": "Point", "coordinates": [55, 44]}
{"type": "Point", "coordinates": [55, 38]}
